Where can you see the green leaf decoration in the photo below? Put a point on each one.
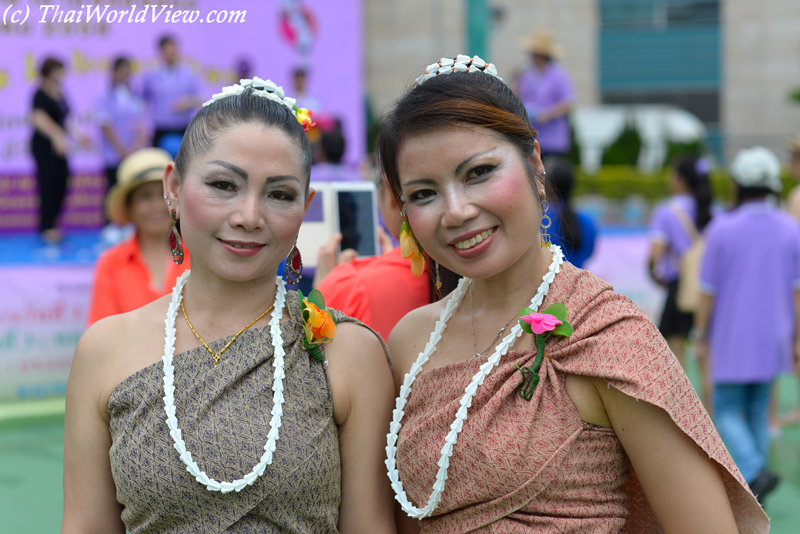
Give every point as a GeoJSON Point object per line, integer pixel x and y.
{"type": "Point", "coordinates": [558, 310]}
{"type": "Point", "coordinates": [563, 330]}
{"type": "Point", "coordinates": [300, 296]}
{"type": "Point", "coordinates": [525, 311]}
{"type": "Point", "coordinates": [525, 327]}
{"type": "Point", "coordinates": [317, 299]}
{"type": "Point", "coordinates": [314, 351]}
{"type": "Point", "coordinates": [530, 379]}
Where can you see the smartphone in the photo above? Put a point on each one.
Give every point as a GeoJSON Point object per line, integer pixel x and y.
{"type": "Point", "coordinates": [355, 208]}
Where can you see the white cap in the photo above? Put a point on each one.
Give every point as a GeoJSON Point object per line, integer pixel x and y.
{"type": "Point", "coordinates": [757, 167]}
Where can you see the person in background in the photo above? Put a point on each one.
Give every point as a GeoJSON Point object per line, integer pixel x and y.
{"type": "Point", "coordinates": [172, 90]}
{"type": "Point", "coordinates": [793, 208]}
{"type": "Point", "coordinates": [121, 115]}
{"type": "Point", "coordinates": [49, 146]}
{"type": "Point", "coordinates": [330, 168]}
{"type": "Point", "coordinates": [140, 270]}
{"type": "Point", "coordinates": [300, 83]}
{"type": "Point", "coordinates": [669, 240]}
{"type": "Point", "coordinates": [379, 290]}
{"type": "Point", "coordinates": [793, 200]}
{"type": "Point", "coordinates": [747, 320]}
{"type": "Point", "coordinates": [546, 91]}
{"type": "Point", "coordinates": [573, 231]}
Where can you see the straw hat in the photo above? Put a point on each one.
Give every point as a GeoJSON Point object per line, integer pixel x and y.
{"type": "Point", "coordinates": [794, 144]}
{"type": "Point", "coordinates": [146, 165]}
{"type": "Point", "coordinates": [541, 42]}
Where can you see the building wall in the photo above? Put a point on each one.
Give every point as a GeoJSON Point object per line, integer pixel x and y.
{"type": "Point", "coordinates": [403, 36]}
{"type": "Point", "coordinates": [761, 65]}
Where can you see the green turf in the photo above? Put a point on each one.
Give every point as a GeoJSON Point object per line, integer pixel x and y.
{"type": "Point", "coordinates": [31, 456]}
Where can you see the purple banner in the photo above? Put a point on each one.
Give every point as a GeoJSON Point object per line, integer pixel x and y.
{"type": "Point", "coordinates": [214, 36]}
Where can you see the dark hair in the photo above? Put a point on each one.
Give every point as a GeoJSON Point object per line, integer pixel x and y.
{"type": "Point", "coordinates": [694, 171]}
{"type": "Point", "coordinates": [120, 62]}
{"type": "Point", "coordinates": [456, 99]}
{"type": "Point", "coordinates": [226, 113]}
{"type": "Point", "coordinates": [49, 65]}
{"type": "Point", "coordinates": [165, 40]}
{"type": "Point", "coordinates": [333, 145]}
{"type": "Point", "coordinates": [561, 180]}
{"type": "Point", "coordinates": [744, 194]}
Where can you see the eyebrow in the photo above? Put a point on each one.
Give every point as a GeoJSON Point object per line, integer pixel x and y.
{"type": "Point", "coordinates": [466, 161]}
{"type": "Point", "coordinates": [230, 166]}
{"type": "Point", "coordinates": [459, 167]}
{"type": "Point", "coordinates": [243, 173]}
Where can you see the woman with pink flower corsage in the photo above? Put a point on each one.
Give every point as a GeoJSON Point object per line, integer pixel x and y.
{"type": "Point", "coordinates": [231, 405]}
{"type": "Point", "coordinates": [532, 398]}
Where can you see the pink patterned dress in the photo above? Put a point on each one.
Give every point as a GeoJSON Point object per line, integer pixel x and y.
{"type": "Point", "coordinates": [534, 466]}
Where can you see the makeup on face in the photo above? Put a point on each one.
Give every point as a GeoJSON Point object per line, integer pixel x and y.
{"type": "Point", "coordinates": [469, 196]}
{"type": "Point", "coordinates": [243, 201]}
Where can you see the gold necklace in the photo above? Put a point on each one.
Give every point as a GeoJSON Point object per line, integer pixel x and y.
{"type": "Point", "coordinates": [217, 355]}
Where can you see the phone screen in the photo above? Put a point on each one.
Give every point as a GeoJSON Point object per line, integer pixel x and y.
{"type": "Point", "coordinates": [357, 221]}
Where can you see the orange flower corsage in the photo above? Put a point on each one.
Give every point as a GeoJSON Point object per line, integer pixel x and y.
{"type": "Point", "coordinates": [409, 248]}
{"type": "Point", "coordinates": [318, 323]}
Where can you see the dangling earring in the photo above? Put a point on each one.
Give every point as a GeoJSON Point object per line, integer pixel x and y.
{"type": "Point", "coordinates": [546, 222]}
{"type": "Point", "coordinates": [175, 241]}
{"type": "Point", "coordinates": [409, 247]}
{"type": "Point", "coordinates": [438, 280]}
{"type": "Point", "coordinates": [293, 268]}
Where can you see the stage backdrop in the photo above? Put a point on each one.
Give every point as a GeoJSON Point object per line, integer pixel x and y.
{"type": "Point", "coordinates": [272, 36]}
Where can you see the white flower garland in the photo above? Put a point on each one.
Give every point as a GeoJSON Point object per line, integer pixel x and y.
{"type": "Point", "coordinates": [263, 88]}
{"type": "Point", "coordinates": [466, 400]}
{"type": "Point", "coordinates": [461, 63]}
{"type": "Point", "coordinates": [277, 388]}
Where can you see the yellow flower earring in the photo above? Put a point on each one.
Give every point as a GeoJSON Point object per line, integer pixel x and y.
{"type": "Point", "coordinates": [409, 247]}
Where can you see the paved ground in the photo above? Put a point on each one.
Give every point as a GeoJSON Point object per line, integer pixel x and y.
{"type": "Point", "coordinates": [31, 455]}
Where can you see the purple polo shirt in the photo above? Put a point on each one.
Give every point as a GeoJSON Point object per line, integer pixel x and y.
{"type": "Point", "coordinates": [163, 88]}
{"type": "Point", "coordinates": [666, 228]}
{"type": "Point", "coordinates": [542, 90]}
{"type": "Point", "coordinates": [752, 267]}
{"type": "Point", "coordinates": [125, 113]}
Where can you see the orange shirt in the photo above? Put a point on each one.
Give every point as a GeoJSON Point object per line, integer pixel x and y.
{"type": "Point", "coordinates": [122, 282]}
{"type": "Point", "coordinates": [378, 291]}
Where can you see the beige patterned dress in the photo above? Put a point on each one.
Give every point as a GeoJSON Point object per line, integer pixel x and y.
{"type": "Point", "coordinates": [224, 415]}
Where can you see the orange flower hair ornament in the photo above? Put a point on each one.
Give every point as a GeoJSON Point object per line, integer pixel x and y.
{"type": "Point", "coordinates": [318, 323]}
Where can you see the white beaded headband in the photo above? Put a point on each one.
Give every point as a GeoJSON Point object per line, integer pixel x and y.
{"type": "Point", "coordinates": [461, 63]}
{"type": "Point", "coordinates": [269, 90]}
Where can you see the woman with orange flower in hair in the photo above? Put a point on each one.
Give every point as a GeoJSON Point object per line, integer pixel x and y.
{"type": "Point", "coordinates": [249, 408]}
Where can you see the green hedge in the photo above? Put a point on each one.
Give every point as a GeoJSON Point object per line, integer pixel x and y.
{"type": "Point", "coordinates": [622, 181]}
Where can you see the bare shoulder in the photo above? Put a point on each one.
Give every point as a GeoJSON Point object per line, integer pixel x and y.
{"type": "Point", "coordinates": [118, 346]}
{"type": "Point", "coordinates": [355, 346]}
{"type": "Point", "coordinates": [358, 370]}
{"type": "Point", "coordinates": [409, 336]}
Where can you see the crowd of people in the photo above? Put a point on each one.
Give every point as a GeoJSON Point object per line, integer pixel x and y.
{"type": "Point", "coordinates": [205, 396]}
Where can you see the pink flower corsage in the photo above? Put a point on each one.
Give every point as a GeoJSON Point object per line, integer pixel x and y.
{"type": "Point", "coordinates": [553, 322]}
